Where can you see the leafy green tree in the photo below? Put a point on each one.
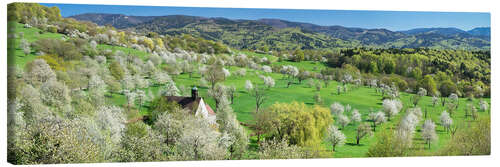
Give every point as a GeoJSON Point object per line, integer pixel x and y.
{"type": "Point", "coordinates": [373, 67]}
{"type": "Point", "coordinates": [428, 84]}
{"type": "Point", "coordinates": [298, 55]}
{"type": "Point", "coordinates": [297, 120]}
{"type": "Point", "coordinates": [116, 70]}
{"type": "Point", "coordinates": [68, 50]}
{"type": "Point", "coordinates": [160, 105]}
{"type": "Point", "coordinates": [389, 66]}
{"type": "Point", "coordinates": [473, 140]}
{"type": "Point", "coordinates": [416, 73]}
{"type": "Point", "coordinates": [265, 122]}
{"type": "Point", "coordinates": [446, 89]}
{"type": "Point", "coordinates": [388, 145]}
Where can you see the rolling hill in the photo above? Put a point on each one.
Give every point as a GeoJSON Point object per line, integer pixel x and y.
{"type": "Point", "coordinates": [277, 34]}
{"type": "Point", "coordinates": [481, 32]}
{"type": "Point", "coordinates": [116, 20]}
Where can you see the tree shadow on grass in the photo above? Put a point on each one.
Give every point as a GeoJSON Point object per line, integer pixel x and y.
{"type": "Point", "coordinates": [441, 131]}
{"type": "Point", "coordinates": [354, 144]}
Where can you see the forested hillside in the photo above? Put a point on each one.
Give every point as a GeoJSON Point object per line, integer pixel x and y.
{"type": "Point", "coordinates": [263, 34]}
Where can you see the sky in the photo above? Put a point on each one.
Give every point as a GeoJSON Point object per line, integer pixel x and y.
{"type": "Point", "coordinates": [391, 20]}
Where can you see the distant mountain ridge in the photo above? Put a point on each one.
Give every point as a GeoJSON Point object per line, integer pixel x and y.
{"type": "Point", "coordinates": [283, 35]}
{"type": "Point", "coordinates": [442, 31]}
{"type": "Point", "coordinates": [365, 36]}
{"type": "Point", "coordinates": [119, 21]}
{"type": "Point", "coordinates": [481, 31]}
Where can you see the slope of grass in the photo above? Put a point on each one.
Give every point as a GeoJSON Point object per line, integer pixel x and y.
{"type": "Point", "coordinates": [31, 35]}
{"type": "Point", "coordinates": [363, 98]}
{"type": "Point", "coordinates": [127, 51]}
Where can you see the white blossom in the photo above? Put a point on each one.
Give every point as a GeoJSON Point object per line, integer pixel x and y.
{"type": "Point", "coordinates": [290, 70]}
{"type": "Point", "coordinates": [267, 69]}
{"type": "Point", "coordinates": [483, 105]}
{"type": "Point", "coordinates": [377, 117]}
{"type": "Point", "coordinates": [39, 72]}
{"type": "Point", "coordinates": [112, 120]}
{"type": "Point", "coordinates": [161, 77]}
{"type": "Point", "coordinates": [269, 81]}
{"type": "Point", "coordinates": [391, 107]}
{"type": "Point", "coordinates": [343, 120]}
{"type": "Point", "coordinates": [248, 85]}
{"type": "Point", "coordinates": [434, 100]}
{"type": "Point", "coordinates": [200, 142]}
{"type": "Point", "coordinates": [453, 97]}
{"type": "Point", "coordinates": [93, 44]}
{"type": "Point", "coordinates": [54, 93]}
{"type": "Point", "coordinates": [335, 137]}
{"type": "Point", "coordinates": [100, 59]}
{"type": "Point", "coordinates": [429, 132]}
{"type": "Point", "coordinates": [337, 108]}
{"type": "Point", "coordinates": [422, 92]}
{"type": "Point", "coordinates": [356, 116]}
{"type": "Point", "coordinates": [226, 72]}
{"type": "Point", "coordinates": [446, 120]}
{"type": "Point", "coordinates": [241, 72]}
{"type": "Point", "coordinates": [170, 89]}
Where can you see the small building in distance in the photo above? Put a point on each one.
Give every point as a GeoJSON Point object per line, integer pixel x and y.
{"type": "Point", "coordinates": [195, 104]}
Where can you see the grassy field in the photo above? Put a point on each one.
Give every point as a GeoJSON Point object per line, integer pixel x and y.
{"type": "Point", "coordinates": [363, 98]}
{"type": "Point", "coordinates": [31, 35]}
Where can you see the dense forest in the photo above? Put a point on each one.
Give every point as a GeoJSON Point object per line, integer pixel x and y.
{"type": "Point", "coordinates": [84, 93]}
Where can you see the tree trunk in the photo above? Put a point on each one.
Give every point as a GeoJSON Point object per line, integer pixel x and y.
{"type": "Point", "coordinates": [140, 105]}
{"type": "Point", "coordinates": [216, 103]}
{"type": "Point", "coordinates": [231, 151]}
{"type": "Point", "coordinates": [258, 137]}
